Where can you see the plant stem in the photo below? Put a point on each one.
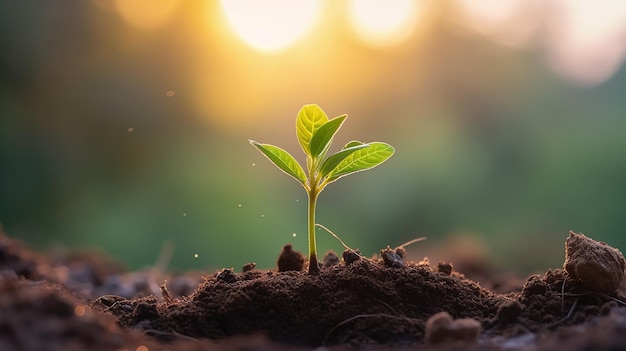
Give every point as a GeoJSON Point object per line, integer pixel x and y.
{"type": "Point", "coordinates": [313, 267]}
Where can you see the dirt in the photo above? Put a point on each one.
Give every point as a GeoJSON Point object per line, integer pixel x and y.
{"type": "Point", "coordinates": [80, 301]}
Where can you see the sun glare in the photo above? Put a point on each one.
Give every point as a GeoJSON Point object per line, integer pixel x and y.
{"type": "Point", "coordinates": [271, 25]}
{"type": "Point", "coordinates": [384, 23]}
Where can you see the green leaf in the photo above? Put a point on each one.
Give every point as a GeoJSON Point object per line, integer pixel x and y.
{"type": "Point", "coordinates": [283, 160]}
{"type": "Point", "coordinates": [323, 136]}
{"type": "Point", "coordinates": [353, 143]}
{"type": "Point", "coordinates": [332, 161]}
{"type": "Point", "coordinates": [310, 118]}
{"type": "Point", "coordinates": [360, 160]}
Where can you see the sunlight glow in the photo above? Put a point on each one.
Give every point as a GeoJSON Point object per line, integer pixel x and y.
{"type": "Point", "coordinates": [384, 23]}
{"type": "Point", "coordinates": [507, 22]}
{"type": "Point", "coordinates": [271, 25]}
{"type": "Point", "coordinates": [586, 40]}
{"type": "Point", "coordinates": [145, 14]}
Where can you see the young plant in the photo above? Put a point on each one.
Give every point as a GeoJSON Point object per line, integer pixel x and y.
{"type": "Point", "coordinates": [315, 133]}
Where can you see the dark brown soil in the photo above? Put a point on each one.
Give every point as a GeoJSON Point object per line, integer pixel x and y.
{"type": "Point", "coordinates": [87, 302]}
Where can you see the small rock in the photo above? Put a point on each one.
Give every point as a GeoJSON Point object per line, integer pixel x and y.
{"type": "Point", "coordinates": [350, 256]}
{"type": "Point", "coordinates": [330, 259]}
{"type": "Point", "coordinates": [598, 266]}
{"type": "Point", "coordinates": [391, 258]}
{"type": "Point", "coordinates": [290, 260]}
{"type": "Point", "coordinates": [441, 328]}
{"type": "Point", "coordinates": [444, 267]}
{"type": "Point", "coordinates": [227, 275]}
{"type": "Point", "coordinates": [400, 251]}
{"type": "Point", "coordinates": [248, 266]}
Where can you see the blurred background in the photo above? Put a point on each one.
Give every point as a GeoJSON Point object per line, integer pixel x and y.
{"type": "Point", "coordinates": [124, 125]}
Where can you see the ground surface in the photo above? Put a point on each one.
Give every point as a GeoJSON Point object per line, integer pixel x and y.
{"type": "Point", "coordinates": [84, 301]}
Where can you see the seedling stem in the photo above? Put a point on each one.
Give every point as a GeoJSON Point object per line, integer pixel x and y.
{"type": "Point", "coordinates": [313, 267]}
{"type": "Point", "coordinates": [315, 133]}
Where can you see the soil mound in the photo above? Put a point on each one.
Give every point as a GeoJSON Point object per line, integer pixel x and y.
{"type": "Point", "coordinates": [363, 302]}
{"type": "Point", "coordinates": [358, 303]}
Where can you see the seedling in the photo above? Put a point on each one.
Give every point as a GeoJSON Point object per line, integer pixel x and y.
{"type": "Point", "coordinates": [315, 133]}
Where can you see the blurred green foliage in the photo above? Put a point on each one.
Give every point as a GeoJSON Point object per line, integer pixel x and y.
{"type": "Point", "coordinates": [487, 140]}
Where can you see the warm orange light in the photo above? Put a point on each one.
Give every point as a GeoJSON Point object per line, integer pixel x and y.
{"type": "Point", "coordinates": [80, 310]}
{"type": "Point", "coordinates": [145, 14]}
{"type": "Point", "coordinates": [384, 23]}
{"type": "Point", "coordinates": [271, 25]}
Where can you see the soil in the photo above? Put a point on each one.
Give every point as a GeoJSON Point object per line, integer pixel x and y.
{"type": "Point", "coordinates": [80, 301]}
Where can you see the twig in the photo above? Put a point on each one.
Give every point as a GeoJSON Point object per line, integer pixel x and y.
{"type": "Point", "coordinates": [569, 314]}
{"type": "Point", "coordinates": [400, 314]}
{"type": "Point", "coordinates": [166, 294]}
{"type": "Point", "coordinates": [334, 235]}
{"type": "Point", "coordinates": [172, 333]}
{"type": "Point", "coordinates": [616, 300]}
{"type": "Point", "coordinates": [160, 266]}
{"type": "Point", "coordinates": [412, 241]}
{"type": "Point", "coordinates": [563, 296]}
{"type": "Point", "coordinates": [370, 315]}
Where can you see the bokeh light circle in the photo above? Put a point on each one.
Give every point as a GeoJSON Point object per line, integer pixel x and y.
{"type": "Point", "coordinates": [384, 23]}
{"type": "Point", "coordinates": [271, 25]}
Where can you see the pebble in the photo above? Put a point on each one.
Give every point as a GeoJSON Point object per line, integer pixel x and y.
{"type": "Point", "coordinates": [598, 266]}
